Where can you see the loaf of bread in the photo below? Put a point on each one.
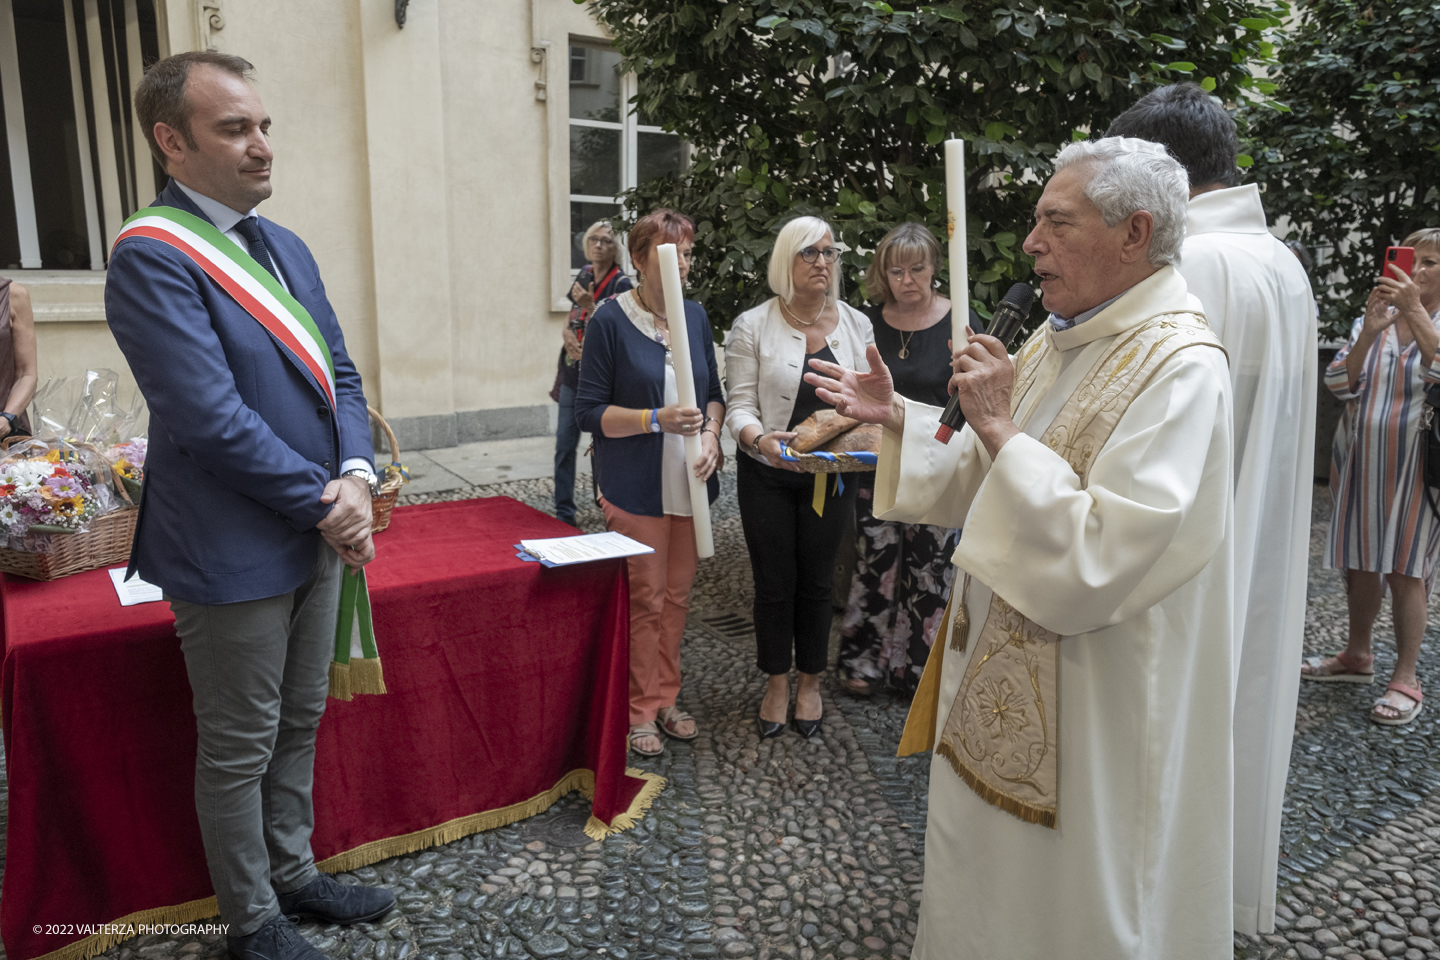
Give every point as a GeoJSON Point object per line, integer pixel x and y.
{"type": "Point", "coordinates": [818, 429]}
{"type": "Point", "coordinates": [864, 438]}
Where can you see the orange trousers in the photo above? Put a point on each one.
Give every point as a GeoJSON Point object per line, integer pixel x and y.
{"type": "Point", "coordinates": [659, 600]}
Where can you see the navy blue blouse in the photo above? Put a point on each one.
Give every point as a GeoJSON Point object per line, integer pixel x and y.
{"type": "Point", "coordinates": [625, 368]}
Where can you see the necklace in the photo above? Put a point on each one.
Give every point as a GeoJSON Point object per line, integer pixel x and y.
{"type": "Point", "coordinates": [823, 304]}
{"type": "Point", "coordinates": [905, 338]}
{"type": "Point", "coordinates": [640, 292]}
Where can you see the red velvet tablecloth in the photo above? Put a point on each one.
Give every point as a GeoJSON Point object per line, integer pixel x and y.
{"type": "Point", "coordinates": [507, 688]}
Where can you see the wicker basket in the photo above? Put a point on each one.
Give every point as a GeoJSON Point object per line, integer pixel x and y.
{"type": "Point", "coordinates": [105, 544]}
{"type": "Point", "coordinates": [391, 480]}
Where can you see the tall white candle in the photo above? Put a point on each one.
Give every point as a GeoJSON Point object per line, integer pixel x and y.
{"type": "Point", "coordinates": [685, 389]}
{"type": "Point", "coordinates": [955, 219]}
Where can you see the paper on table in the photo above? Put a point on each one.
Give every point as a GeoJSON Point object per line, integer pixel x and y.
{"type": "Point", "coordinates": [585, 548]}
{"type": "Point", "coordinates": [134, 590]}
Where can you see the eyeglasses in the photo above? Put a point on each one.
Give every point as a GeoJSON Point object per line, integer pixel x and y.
{"type": "Point", "coordinates": [810, 254]}
{"type": "Point", "coordinates": [602, 239]}
{"type": "Point", "coordinates": [916, 270]}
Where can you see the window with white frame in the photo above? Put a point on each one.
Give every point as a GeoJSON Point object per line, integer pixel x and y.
{"type": "Point", "coordinates": [74, 162]}
{"type": "Point", "coordinates": [612, 147]}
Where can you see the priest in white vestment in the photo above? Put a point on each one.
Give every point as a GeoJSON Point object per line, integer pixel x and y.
{"type": "Point", "coordinates": [1078, 698]}
{"type": "Point", "coordinates": [1258, 301]}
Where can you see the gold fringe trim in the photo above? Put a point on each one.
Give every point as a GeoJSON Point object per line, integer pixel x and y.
{"type": "Point", "coordinates": [366, 676]}
{"type": "Point", "coordinates": [582, 780]}
{"type": "Point", "coordinates": [340, 681]}
{"type": "Point", "coordinates": [596, 829]}
{"type": "Point", "coordinates": [996, 798]}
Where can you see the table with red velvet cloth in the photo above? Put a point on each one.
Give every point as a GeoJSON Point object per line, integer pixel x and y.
{"type": "Point", "coordinates": [507, 688]}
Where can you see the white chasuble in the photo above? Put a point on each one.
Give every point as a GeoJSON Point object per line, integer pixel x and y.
{"type": "Point", "coordinates": [1258, 301]}
{"type": "Point", "coordinates": [1129, 568]}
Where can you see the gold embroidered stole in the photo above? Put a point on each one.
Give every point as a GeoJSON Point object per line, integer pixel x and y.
{"type": "Point", "coordinates": [1001, 735]}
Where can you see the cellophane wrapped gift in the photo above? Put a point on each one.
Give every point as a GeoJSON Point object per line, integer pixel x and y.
{"type": "Point", "coordinates": [53, 488]}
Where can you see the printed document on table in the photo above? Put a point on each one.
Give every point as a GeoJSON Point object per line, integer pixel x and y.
{"type": "Point", "coordinates": [134, 590]}
{"type": "Point", "coordinates": [584, 548]}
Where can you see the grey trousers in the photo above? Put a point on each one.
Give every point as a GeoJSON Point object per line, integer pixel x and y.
{"type": "Point", "coordinates": [259, 671]}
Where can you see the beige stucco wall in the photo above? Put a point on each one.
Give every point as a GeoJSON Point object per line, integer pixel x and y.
{"type": "Point", "coordinates": [428, 180]}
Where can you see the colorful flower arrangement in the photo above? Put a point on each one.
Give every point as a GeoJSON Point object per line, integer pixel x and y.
{"type": "Point", "coordinates": [128, 462]}
{"type": "Point", "coordinates": [50, 491]}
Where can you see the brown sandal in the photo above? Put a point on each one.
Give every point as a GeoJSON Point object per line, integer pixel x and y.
{"type": "Point", "coordinates": [672, 717]}
{"type": "Point", "coordinates": [642, 730]}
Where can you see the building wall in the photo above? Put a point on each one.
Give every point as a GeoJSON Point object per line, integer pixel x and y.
{"type": "Point", "coordinates": [428, 178]}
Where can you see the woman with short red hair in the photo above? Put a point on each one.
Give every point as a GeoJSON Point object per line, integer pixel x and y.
{"type": "Point", "coordinates": [628, 400]}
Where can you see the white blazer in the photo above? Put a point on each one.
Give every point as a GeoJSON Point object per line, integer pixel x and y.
{"type": "Point", "coordinates": [763, 359]}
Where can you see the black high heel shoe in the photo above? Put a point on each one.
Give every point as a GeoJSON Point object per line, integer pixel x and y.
{"type": "Point", "coordinates": [807, 728]}
{"type": "Point", "coordinates": [767, 729]}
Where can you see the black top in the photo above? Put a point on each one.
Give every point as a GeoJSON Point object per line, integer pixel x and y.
{"type": "Point", "coordinates": [924, 374]}
{"type": "Point", "coordinates": [616, 284]}
{"type": "Point", "coordinates": [806, 402]}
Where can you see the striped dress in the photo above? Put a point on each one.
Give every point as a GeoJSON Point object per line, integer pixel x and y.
{"type": "Point", "coordinates": [1381, 520]}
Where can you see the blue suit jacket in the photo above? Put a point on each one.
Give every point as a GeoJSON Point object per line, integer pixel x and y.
{"type": "Point", "coordinates": [242, 439]}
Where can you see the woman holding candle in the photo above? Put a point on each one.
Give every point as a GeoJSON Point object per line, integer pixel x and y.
{"type": "Point", "coordinates": [627, 399]}
{"type": "Point", "coordinates": [902, 570]}
{"type": "Point", "coordinates": [792, 545]}
{"type": "Point", "coordinates": [598, 280]}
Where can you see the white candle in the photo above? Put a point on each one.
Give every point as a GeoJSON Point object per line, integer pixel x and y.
{"type": "Point", "coordinates": [955, 219]}
{"type": "Point", "coordinates": [685, 389]}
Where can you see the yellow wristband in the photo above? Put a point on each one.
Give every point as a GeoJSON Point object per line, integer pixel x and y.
{"type": "Point", "coordinates": [644, 421]}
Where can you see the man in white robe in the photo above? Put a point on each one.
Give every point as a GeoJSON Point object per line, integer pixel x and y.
{"type": "Point", "coordinates": [1080, 807]}
{"type": "Point", "coordinates": [1258, 301]}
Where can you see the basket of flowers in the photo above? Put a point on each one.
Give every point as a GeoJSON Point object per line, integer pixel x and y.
{"type": "Point", "coordinates": [60, 510]}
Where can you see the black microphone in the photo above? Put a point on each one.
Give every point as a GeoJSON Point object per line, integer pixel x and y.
{"type": "Point", "coordinates": [1009, 315]}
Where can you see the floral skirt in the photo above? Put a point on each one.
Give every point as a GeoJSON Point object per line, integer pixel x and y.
{"type": "Point", "coordinates": [897, 596]}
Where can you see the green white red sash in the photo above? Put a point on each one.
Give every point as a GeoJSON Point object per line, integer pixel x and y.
{"type": "Point", "coordinates": [252, 286]}
{"type": "Point", "coordinates": [355, 667]}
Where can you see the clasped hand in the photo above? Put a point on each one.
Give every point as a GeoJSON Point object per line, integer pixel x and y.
{"type": "Point", "coordinates": [347, 526]}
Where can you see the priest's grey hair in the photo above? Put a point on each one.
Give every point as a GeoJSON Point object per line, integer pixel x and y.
{"type": "Point", "coordinates": [1131, 175]}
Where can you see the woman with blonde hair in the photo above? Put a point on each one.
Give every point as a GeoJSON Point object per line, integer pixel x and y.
{"type": "Point", "coordinates": [598, 281]}
{"type": "Point", "coordinates": [628, 398]}
{"type": "Point", "coordinates": [1384, 530]}
{"type": "Point", "coordinates": [902, 570]}
{"type": "Point", "coordinates": [792, 545]}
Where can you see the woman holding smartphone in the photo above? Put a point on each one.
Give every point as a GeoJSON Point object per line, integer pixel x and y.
{"type": "Point", "coordinates": [1383, 529]}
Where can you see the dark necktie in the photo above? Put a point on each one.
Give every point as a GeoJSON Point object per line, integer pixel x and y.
{"type": "Point", "coordinates": [249, 228]}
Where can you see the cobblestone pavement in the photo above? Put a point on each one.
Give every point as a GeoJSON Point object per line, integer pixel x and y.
{"type": "Point", "coordinates": [813, 850]}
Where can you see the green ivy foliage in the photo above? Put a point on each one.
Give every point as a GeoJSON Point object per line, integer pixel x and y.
{"type": "Point", "coordinates": [1353, 164]}
{"type": "Point", "coordinates": [838, 108]}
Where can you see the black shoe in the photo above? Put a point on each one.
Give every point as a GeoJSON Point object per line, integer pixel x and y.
{"type": "Point", "coordinates": [276, 940]}
{"type": "Point", "coordinates": [807, 728]}
{"type": "Point", "coordinates": [329, 901]}
{"type": "Point", "coordinates": [769, 730]}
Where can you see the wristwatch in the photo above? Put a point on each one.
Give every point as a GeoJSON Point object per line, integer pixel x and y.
{"type": "Point", "coordinates": [8, 416]}
{"type": "Point", "coordinates": [655, 421]}
{"type": "Point", "coordinates": [371, 481]}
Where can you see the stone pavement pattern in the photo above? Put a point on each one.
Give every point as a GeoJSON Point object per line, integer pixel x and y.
{"type": "Point", "coordinates": [814, 851]}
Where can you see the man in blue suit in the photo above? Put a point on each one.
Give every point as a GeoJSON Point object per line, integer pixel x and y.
{"type": "Point", "coordinates": [257, 488]}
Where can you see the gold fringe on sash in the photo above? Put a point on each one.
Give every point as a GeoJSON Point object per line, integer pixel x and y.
{"type": "Point", "coordinates": [582, 780]}
{"type": "Point", "coordinates": [340, 681]}
{"type": "Point", "coordinates": [366, 676]}
{"type": "Point", "coordinates": [992, 796]}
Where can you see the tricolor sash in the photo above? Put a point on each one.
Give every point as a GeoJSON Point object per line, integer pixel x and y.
{"type": "Point", "coordinates": [356, 665]}
{"type": "Point", "coordinates": [253, 287]}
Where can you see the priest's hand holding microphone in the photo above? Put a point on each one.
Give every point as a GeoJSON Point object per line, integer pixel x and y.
{"type": "Point", "coordinates": [980, 389]}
